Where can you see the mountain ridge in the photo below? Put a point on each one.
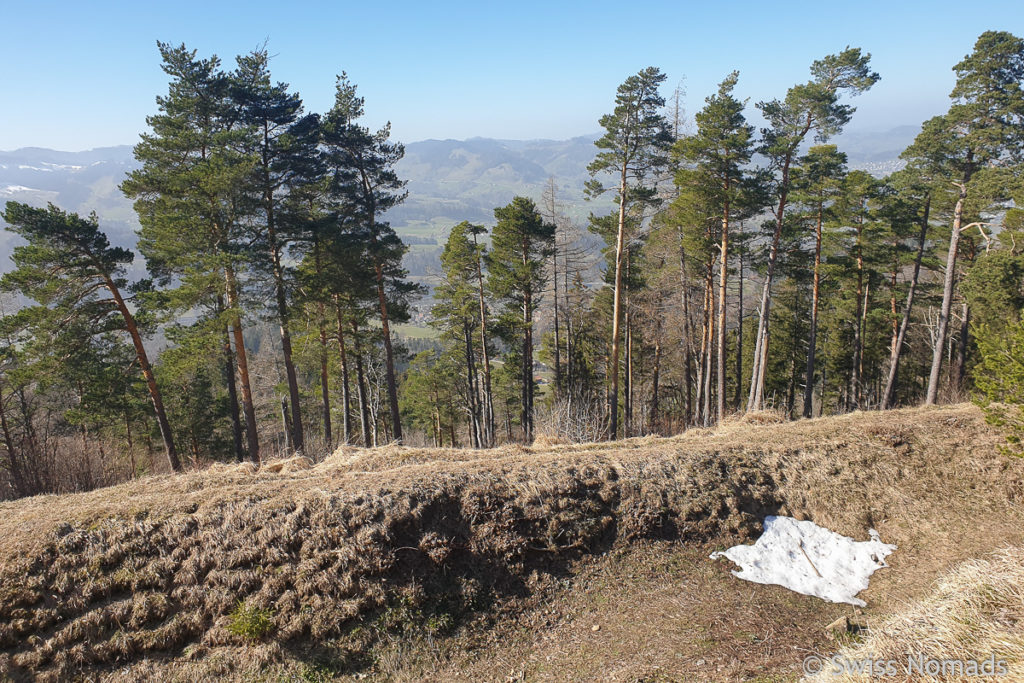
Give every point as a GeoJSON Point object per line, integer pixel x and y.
{"type": "Point", "coordinates": [449, 181]}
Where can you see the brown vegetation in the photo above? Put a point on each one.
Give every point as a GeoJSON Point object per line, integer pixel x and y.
{"type": "Point", "coordinates": [232, 570]}
{"type": "Point", "coordinates": [974, 612]}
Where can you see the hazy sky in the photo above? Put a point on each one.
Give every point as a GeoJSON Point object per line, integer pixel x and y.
{"type": "Point", "coordinates": [77, 75]}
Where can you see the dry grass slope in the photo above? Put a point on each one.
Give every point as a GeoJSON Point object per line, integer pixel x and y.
{"type": "Point", "coordinates": [157, 578]}
{"type": "Point", "coordinates": [975, 612]}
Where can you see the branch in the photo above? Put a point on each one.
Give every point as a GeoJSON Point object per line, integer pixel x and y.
{"type": "Point", "coordinates": [981, 230]}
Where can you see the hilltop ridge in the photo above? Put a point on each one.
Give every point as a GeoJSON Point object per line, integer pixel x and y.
{"type": "Point", "coordinates": [328, 569]}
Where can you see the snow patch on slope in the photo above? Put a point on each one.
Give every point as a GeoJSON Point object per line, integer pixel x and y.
{"type": "Point", "coordinates": [809, 559]}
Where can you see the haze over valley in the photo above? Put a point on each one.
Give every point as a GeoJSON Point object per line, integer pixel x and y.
{"type": "Point", "coordinates": [449, 181]}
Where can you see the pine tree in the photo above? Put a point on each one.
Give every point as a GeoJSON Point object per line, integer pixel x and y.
{"type": "Point", "coordinates": [810, 108]}
{"type": "Point", "coordinates": [910, 207]}
{"type": "Point", "coordinates": [191, 198]}
{"type": "Point", "coordinates": [361, 164]}
{"type": "Point", "coordinates": [963, 148]}
{"type": "Point", "coordinates": [816, 183]}
{"type": "Point", "coordinates": [284, 146]}
{"type": "Point", "coordinates": [635, 149]}
{"type": "Point", "coordinates": [521, 241]}
{"type": "Point", "coordinates": [67, 262]}
{"type": "Point", "coordinates": [457, 313]}
{"type": "Point", "coordinates": [717, 156]}
{"type": "Point", "coordinates": [857, 208]}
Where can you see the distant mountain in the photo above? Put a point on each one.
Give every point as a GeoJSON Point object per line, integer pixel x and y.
{"type": "Point", "coordinates": [77, 181]}
{"type": "Point", "coordinates": [456, 180]}
{"type": "Point", "coordinates": [449, 181]}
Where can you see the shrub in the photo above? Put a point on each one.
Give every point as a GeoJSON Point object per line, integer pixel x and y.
{"type": "Point", "coordinates": [250, 622]}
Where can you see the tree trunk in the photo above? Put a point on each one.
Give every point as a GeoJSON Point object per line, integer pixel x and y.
{"type": "Point", "coordinates": [382, 301]}
{"type": "Point", "coordinates": [286, 425]}
{"type": "Point", "coordinates": [739, 335]}
{"type": "Point", "coordinates": [296, 440]}
{"type": "Point", "coordinates": [756, 399]}
{"type": "Point", "coordinates": [947, 296]}
{"type": "Point", "coordinates": [655, 388]}
{"type": "Point", "coordinates": [894, 361]}
{"type": "Point", "coordinates": [961, 349]}
{"type": "Point", "coordinates": [893, 310]}
{"type": "Point", "coordinates": [471, 388]}
{"type": "Point", "coordinates": [813, 337]}
{"type": "Point", "coordinates": [863, 324]}
{"type": "Point", "coordinates": [627, 393]}
{"type": "Point", "coordinates": [12, 456]}
{"type": "Point", "coordinates": [706, 346]}
{"type": "Point", "coordinates": [252, 438]}
{"type": "Point", "coordinates": [435, 426]}
{"type": "Point", "coordinates": [709, 358]}
{"type": "Point", "coordinates": [857, 329]}
{"type": "Point", "coordinates": [325, 395]}
{"type": "Point", "coordinates": [824, 378]}
{"type": "Point", "coordinates": [346, 397]}
{"type": "Point", "coordinates": [281, 298]}
{"type": "Point", "coordinates": [558, 331]}
{"type": "Point", "coordinates": [389, 355]}
{"type": "Point", "coordinates": [527, 416]}
{"type": "Point", "coordinates": [723, 277]}
{"type": "Point", "coordinates": [364, 407]}
{"type": "Point", "coordinates": [687, 337]}
{"type": "Point", "coordinates": [613, 364]}
{"type": "Point", "coordinates": [489, 434]}
{"type": "Point", "coordinates": [147, 373]}
{"type": "Point", "coordinates": [229, 379]}
{"type": "Point", "coordinates": [131, 445]}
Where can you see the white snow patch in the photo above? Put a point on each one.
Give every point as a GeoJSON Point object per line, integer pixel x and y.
{"type": "Point", "coordinates": [809, 559]}
{"type": "Point", "coordinates": [63, 167]}
{"type": "Point", "coordinates": [34, 168]}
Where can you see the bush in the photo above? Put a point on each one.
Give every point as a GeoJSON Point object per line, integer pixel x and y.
{"type": "Point", "coordinates": [250, 622]}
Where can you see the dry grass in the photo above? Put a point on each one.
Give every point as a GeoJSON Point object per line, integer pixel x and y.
{"type": "Point", "coordinates": [974, 612]}
{"type": "Point", "coordinates": [375, 553]}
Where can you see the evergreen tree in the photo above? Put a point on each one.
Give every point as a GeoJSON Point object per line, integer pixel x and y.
{"type": "Point", "coordinates": [521, 241]}
{"type": "Point", "coordinates": [428, 398]}
{"type": "Point", "coordinates": [810, 108]}
{"type": "Point", "coordinates": [816, 184]}
{"type": "Point", "coordinates": [857, 213]}
{"type": "Point", "coordinates": [361, 164]}
{"type": "Point", "coordinates": [635, 149]}
{"type": "Point", "coordinates": [717, 155]}
{"type": "Point", "coordinates": [965, 149]}
{"type": "Point", "coordinates": [458, 314]}
{"type": "Point", "coordinates": [67, 262]}
{"type": "Point", "coordinates": [191, 196]}
{"type": "Point", "coordinates": [284, 146]}
{"type": "Point", "coordinates": [913, 202]}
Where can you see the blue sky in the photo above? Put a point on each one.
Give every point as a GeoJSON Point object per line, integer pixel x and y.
{"type": "Point", "coordinates": [78, 75]}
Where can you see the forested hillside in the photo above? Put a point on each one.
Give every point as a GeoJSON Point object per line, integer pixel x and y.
{"type": "Point", "coordinates": [296, 280]}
